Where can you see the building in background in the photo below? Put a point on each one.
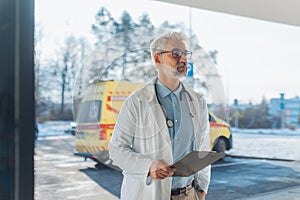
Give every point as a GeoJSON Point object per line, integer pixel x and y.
{"type": "Point", "coordinates": [291, 112]}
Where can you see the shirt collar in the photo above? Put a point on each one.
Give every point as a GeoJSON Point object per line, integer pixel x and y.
{"type": "Point", "coordinates": [163, 91]}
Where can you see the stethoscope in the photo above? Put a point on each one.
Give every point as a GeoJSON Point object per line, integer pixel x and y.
{"type": "Point", "coordinates": [170, 122]}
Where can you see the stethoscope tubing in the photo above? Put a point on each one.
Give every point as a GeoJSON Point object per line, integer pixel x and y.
{"type": "Point", "coordinates": [180, 98]}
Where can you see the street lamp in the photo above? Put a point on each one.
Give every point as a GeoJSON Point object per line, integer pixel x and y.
{"type": "Point", "coordinates": [282, 107]}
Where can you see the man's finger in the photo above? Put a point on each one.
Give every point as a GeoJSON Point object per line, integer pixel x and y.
{"type": "Point", "coordinates": [171, 174]}
{"type": "Point", "coordinates": [165, 169]}
{"type": "Point", "coordinates": [164, 173]}
{"type": "Point", "coordinates": [160, 177]}
{"type": "Point", "coordinates": [172, 169]}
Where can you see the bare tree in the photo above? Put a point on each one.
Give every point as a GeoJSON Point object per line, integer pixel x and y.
{"type": "Point", "coordinates": [38, 36]}
{"type": "Point", "coordinates": [65, 65]}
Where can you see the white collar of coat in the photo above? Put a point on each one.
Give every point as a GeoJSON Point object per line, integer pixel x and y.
{"type": "Point", "coordinates": [147, 93]}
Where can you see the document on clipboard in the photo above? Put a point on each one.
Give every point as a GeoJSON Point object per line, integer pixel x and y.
{"type": "Point", "coordinates": [195, 161]}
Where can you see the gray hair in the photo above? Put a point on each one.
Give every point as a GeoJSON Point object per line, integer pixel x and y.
{"type": "Point", "coordinates": [159, 43]}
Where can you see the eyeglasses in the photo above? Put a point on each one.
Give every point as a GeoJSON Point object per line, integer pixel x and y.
{"type": "Point", "coordinates": [177, 53]}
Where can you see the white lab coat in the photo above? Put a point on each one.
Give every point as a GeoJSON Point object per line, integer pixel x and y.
{"type": "Point", "coordinates": [141, 136]}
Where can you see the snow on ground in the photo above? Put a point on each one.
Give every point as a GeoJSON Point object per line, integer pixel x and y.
{"type": "Point", "coordinates": [53, 128]}
{"type": "Point", "coordinates": [268, 131]}
{"type": "Point", "coordinates": [267, 143]}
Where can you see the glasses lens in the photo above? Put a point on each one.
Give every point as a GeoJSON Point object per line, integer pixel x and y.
{"type": "Point", "coordinates": [176, 53]}
{"type": "Point", "coordinates": [188, 54]}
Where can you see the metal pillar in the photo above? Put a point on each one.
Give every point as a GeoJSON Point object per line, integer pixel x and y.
{"type": "Point", "coordinates": [16, 99]}
{"type": "Point", "coordinates": [282, 110]}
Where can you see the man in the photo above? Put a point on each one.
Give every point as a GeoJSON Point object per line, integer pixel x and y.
{"type": "Point", "coordinates": [159, 124]}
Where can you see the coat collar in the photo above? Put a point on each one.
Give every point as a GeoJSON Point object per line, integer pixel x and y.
{"type": "Point", "coordinates": [163, 91]}
{"type": "Point", "coordinates": [147, 93]}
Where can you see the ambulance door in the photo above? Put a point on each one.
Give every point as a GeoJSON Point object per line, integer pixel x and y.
{"type": "Point", "coordinates": [87, 140]}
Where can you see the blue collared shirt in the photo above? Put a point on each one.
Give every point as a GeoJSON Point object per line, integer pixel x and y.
{"type": "Point", "coordinates": [182, 132]}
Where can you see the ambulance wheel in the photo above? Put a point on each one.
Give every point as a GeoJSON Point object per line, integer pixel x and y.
{"type": "Point", "coordinates": [100, 165]}
{"type": "Point", "coordinates": [221, 145]}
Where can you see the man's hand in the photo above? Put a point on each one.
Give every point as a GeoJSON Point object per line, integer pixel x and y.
{"type": "Point", "coordinates": [160, 169]}
{"type": "Point", "coordinates": [203, 193]}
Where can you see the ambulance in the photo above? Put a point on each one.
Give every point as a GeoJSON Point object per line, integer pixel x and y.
{"type": "Point", "coordinates": [98, 113]}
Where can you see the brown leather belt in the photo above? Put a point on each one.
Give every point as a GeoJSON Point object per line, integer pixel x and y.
{"type": "Point", "coordinates": [179, 191]}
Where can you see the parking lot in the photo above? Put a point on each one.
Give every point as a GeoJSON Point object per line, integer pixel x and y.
{"type": "Point", "coordinates": [61, 175]}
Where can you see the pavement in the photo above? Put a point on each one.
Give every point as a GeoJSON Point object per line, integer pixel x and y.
{"type": "Point", "coordinates": [285, 194]}
{"type": "Point", "coordinates": [57, 179]}
{"type": "Point", "coordinates": [292, 193]}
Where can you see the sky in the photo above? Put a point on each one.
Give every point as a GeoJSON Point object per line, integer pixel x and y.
{"type": "Point", "coordinates": [256, 58]}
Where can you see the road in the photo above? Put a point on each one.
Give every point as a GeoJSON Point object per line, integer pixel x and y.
{"type": "Point", "coordinates": [60, 175]}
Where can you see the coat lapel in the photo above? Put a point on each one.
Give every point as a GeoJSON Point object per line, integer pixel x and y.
{"type": "Point", "coordinates": [157, 111]}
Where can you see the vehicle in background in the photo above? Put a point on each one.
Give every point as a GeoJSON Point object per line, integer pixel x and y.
{"type": "Point", "coordinates": [98, 113]}
{"type": "Point", "coordinates": [220, 134]}
{"type": "Point", "coordinates": [97, 116]}
{"type": "Point", "coordinates": [72, 128]}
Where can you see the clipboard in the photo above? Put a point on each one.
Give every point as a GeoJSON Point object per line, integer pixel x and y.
{"type": "Point", "coordinates": [195, 161]}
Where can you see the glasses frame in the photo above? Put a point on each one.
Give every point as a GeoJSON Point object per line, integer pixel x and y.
{"type": "Point", "coordinates": [177, 53]}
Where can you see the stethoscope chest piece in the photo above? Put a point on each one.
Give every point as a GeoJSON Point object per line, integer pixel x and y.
{"type": "Point", "coordinates": [170, 123]}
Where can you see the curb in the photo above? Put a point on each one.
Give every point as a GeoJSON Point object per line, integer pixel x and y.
{"type": "Point", "coordinates": [261, 158]}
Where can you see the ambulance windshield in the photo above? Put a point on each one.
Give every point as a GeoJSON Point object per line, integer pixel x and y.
{"type": "Point", "coordinates": [89, 112]}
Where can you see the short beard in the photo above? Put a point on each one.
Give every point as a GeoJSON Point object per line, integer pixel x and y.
{"type": "Point", "coordinates": [172, 72]}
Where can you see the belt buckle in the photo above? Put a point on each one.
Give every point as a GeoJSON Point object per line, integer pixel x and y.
{"type": "Point", "coordinates": [179, 191]}
{"type": "Point", "coordinates": [182, 190]}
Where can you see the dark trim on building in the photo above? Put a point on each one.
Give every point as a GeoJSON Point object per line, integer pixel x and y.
{"type": "Point", "coordinates": [17, 99]}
